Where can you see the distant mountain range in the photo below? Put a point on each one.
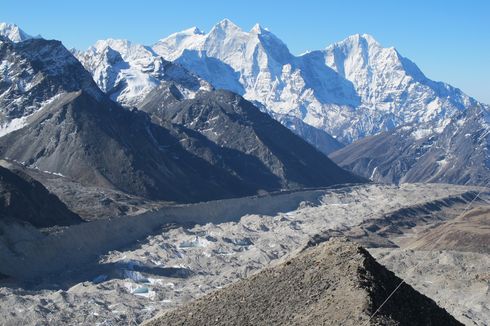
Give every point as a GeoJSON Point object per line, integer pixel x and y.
{"type": "Point", "coordinates": [55, 118]}
{"type": "Point", "coordinates": [351, 89]}
{"type": "Point", "coordinates": [368, 107]}
{"type": "Point", "coordinates": [334, 97]}
{"type": "Point", "coordinates": [458, 154]}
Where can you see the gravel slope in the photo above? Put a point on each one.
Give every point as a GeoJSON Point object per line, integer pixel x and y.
{"type": "Point", "coordinates": [457, 281]}
{"type": "Point", "coordinates": [469, 232]}
{"type": "Point", "coordinates": [337, 283]}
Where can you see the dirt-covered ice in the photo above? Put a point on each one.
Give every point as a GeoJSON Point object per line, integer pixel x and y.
{"type": "Point", "coordinates": [182, 262]}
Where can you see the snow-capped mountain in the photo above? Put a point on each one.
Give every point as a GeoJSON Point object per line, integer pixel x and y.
{"type": "Point", "coordinates": [458, 154]}
{"type": "Point", "coordinates": [392, 88]}
{"type": "Point", "coordinates": [13, 32]}
{"type": "Point", "coordinates": [259, 66]}
{"type": "Point", "coordinates": [352, 89]}
{"type": "Point", "coordinates": [435, 133]}
{"type": "Point", "coordinates": [127, 72]}
{"type": "Point", "coordinates": [33, 73]}
{"type": "Point", "coordinates": [56, 119]}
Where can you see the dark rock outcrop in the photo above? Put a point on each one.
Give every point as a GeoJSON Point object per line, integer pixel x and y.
{"type": "Point", "coordinates": [23, 199]}
{"type": "Point", "coordinates": [237, 136]}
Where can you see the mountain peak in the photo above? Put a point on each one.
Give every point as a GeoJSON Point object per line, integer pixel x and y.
{"type": "Point", "coordinates": [358, 38]}
{"type": "Point", "coordinates": [369, 38]}
{"type": "Point", "coordinates": [226, 24]}
{"type": "Point", "coordinates": [115, 44]}
{"type": "Point", "coordinates": [193, 31]}
{"type": "Point", "coordinates": [258, 29]}
{"type": "Point", "coordinates": [13, 32]}
{"type": "Point", "coordinates": [365, 41]}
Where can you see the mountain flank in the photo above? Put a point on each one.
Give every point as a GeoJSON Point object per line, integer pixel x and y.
{"type": "Point", "coordinates": [23, 199]}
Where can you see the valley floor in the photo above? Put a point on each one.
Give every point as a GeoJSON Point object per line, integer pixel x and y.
{"type": "Point", "coordinates": [183, 261]}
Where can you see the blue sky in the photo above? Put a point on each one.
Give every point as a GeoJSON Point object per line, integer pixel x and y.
{"type": "Point", "coordinates": [449, 40]}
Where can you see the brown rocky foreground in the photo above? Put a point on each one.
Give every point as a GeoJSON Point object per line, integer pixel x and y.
{"type": "Point", "coordinates": [334, 283]}
{"type": "Point", "coordinates": [469, 232]}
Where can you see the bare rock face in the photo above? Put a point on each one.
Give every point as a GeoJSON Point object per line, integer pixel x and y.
{"type": "Point", "coordinates": [237, 136]}
{"type": "Point", "coordinates": [99, 143]}
{"type": "Point", "coordinates": [22, 199]}
{"type": "Point", "coordinates": [34, 72]}
{"type": "Point", "coordinates": [335, 283]}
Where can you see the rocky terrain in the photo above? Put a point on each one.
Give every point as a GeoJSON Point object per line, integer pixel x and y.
{"type": "Point", "coordinates": [244, 141]}
{"type": "Point", "coordinates": [336, 282]}
{"type": "Point", "coordinates": [24, 200]}
{"type": "Point", "coordinates": [456, 154]}
{"type": "Point", "coordinates": [232, 239]}
{"type": "Point", "coordinates": [448, 260]}
{"type": "Point", "coordinates": [455, 280]}
{"type": "Point", "coordinates": [89, 202]}
{"type": "Point", "coordinates": [34, 72]}
{"type": "Point", "coordinates": [469, 232]}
